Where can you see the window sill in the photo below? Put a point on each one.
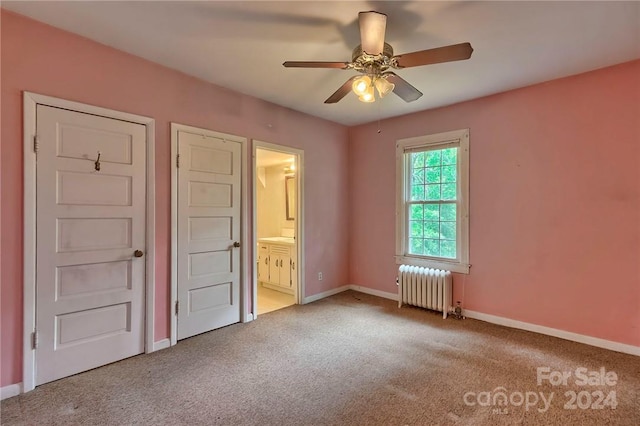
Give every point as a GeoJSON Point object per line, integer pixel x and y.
{"type": "Point", "coordinates": [461, 268]}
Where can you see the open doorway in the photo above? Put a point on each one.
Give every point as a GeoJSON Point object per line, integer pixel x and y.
{"type": "Point", "coordinates": [277, 224]}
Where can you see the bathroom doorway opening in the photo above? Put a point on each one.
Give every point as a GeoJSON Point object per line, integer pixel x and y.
{"type": "Point", "coordinates": [277, 223]}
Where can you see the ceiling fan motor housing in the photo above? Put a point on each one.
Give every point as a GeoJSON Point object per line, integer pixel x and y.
{"type": "Point", "coordinates": [372, 64]}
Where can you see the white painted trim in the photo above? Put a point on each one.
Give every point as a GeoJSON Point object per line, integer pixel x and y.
{"type": "Point", "coordinates": [373, 292]}
{"type": "Point", "coordinates": [324, 294]}
{"type": "Point", "coordinates": [30, 102]}
{"type": "Point", "coordinates": [10, 391]}
{"type": "Point", "coordinates": [562, 334]}
{"type": "Point", "coordinates": [150, 276]}
{"type": "Point", "coordinates": [161, 344]}
{"type": "Point", "coordinates": [175, 128]}
{"type": "Point", "coordinates": [456, 137]}
{"type": "Point", "coordinates": [245, 267]}
{"type": "Point", "coordinates": [299, 231]}
{"type": "Point", "coordinates": [173, 334]}
{"type": "Point", "coordinates": [360, 289]}
{"type": "Point", "coordinates": [254, 233]}
{"type": "Point", "coordinates": [29, 242]}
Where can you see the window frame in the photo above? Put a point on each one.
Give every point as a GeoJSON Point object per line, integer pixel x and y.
{"type": "Point", "coordinates": [455, 138]}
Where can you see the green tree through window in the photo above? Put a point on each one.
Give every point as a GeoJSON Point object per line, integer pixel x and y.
{"type": "Point", "coordinates": [432, 207]}
{"type": "Point", "coordinates": [432, 224]}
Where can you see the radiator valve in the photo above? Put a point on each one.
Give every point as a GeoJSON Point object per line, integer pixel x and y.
{"type": "Point", "coordinates": [457, 311]}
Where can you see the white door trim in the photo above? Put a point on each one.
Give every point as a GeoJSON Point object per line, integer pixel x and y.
{"type": "Point", "coordinates": [299, 229]}
{"type": "Point", "coordinates": [244, 269]}
{"type": "Point", "coordinates": [30, 101]}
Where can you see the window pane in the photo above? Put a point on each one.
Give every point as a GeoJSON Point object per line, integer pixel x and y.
{"type": "Point", "coordinates": [417, 176]}
{"type": "Point", "coordinates": [416, 212]}
{"type": "Point", "coordinates": [448, 249]}
{"type": "Point", "coordinates": [417, 192]}
{"type": "Point", "coordinates": [417, 159]}
{"type": "Point", "coordinates": [431, 230]}
{"type": "Point", "coordinates": [433, 175]}
{"type": "Point", "coordinates": [449, 156]}
{"type": "Point", "coordinates": [416, 246]}
{"type": "Point", "coordinates": [417, 228]}
{"type": "Point", "coordinates": [432, 219]}
{"type": "Point", "coordinates": [448, 230]}
{"type": "Point", "coordinates": [449, 191]}
{"type": "Point", "coordinates": [432, 212]}
{"type": "Point", "coordinates": [432, 247]}
{"type": "Point", "coordinates": [433, 192]}
{"type": "Point", "coordinates": [433, 158]}
{"type": "Point", "coordinates": [448, 173]}
{"type": "Point", "coordinates": [447, 212]}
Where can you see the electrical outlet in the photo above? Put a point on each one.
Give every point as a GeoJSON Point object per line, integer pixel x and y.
{"type": "Point", "coordinates": [319, 276]}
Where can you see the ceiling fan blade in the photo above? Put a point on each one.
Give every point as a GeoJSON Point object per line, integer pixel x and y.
{"type": "Point", "coordinates": [372, 28]}
{"type": "Point", "coordinates": [309, 64]}
{"type": "Point", "coordinates": [341, 92]}
{"type": "Point", "coordinates": [454, 52]}
{"type": "Point", "coordinates": [403, 89]}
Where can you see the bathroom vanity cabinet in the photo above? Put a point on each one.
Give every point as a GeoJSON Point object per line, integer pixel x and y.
{"type": "Point", "coordinates": [277, 264]}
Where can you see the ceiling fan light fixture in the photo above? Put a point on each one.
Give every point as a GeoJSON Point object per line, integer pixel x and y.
{"type": "Point", "coordinates": [361, 85]}
{"type": "Point", "coordinates": [368, 96]}
{"type": "Point", "coordinates": [383, 86]}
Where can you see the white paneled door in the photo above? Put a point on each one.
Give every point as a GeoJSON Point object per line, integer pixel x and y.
{"type": "Point", "coordinates": [90, 266]}
{"type": "Point", "coordinates": [208, 233]}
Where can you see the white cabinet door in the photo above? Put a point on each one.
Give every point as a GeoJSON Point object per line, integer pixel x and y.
{"type": "Point", "coordinates": [294, 270]}
{"type": "Point", "coordinates": [274, 269]}
{"type": "Point", "coordinates": [280, 269]}
{"type": "Point", "coordinates": [285, 271]}
{"type": "Point", "coordinates": [90, 221]}
{"type": "Point", "coordinates": [208, 226]}
{"type": "Point", "coordinates": [263, 263]}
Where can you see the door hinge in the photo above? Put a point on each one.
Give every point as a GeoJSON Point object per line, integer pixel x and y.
{"type": "Point", "coordinates": [34, 339]}
{"type": "Point", "coordinates": [36, 143]}
{"type": "Point", "coordinates": [178, 161]}
{"type": "Point", "coordinates": [177, 306]}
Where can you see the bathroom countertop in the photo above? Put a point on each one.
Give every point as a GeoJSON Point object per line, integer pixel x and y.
{"type": "Point", "coordinates": [279, 240]}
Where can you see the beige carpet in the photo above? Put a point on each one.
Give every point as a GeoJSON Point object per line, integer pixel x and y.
{"type": "Point", "coordinates": [349, 359]}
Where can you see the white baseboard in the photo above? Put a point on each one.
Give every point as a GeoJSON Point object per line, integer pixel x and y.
{"type": "Point", "coordinates": [373, 292]}
{"type": "Point", "coordinates": [324, 294]}
{"type": "Point", "coordinates": [11, 390]}
{"type": "Point", "coordinates": [248, 317]}
{"type": "Point", "coordinates": [366, 290]}
{"type": "Point", "coordinates": [161, 344]}
{"type": "Point", "coordinates": [567, 335]}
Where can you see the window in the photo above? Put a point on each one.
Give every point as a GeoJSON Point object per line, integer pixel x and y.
{"type": "Point", "coordinates": [432, 227]}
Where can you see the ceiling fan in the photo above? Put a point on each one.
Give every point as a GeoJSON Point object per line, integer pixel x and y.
{"type": "Point", "coordinates": [373, 58]}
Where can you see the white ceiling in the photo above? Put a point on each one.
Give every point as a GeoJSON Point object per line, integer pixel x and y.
{"type": "Point", "coordinates": [241, 45]}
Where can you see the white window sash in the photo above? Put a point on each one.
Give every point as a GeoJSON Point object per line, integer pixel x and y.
{"type": "Point", "coordinates": [459, 139]}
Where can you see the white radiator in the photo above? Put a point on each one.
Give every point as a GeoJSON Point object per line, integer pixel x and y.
{"type": "Point", "coordinates": [425, 287]}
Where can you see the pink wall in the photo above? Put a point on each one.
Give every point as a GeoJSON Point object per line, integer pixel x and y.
{"type": "Point", "coordinates": [41, 59]}
{"type": "Point", "coordinates": [555, 185]}
{"type": "Point", "coordinates": [554, 208]}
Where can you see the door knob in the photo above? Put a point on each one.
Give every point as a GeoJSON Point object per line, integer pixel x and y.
{"type": "Point", "coordinates": [138, 253]}
{"type": "Point", "coordinates": [236, 244]}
